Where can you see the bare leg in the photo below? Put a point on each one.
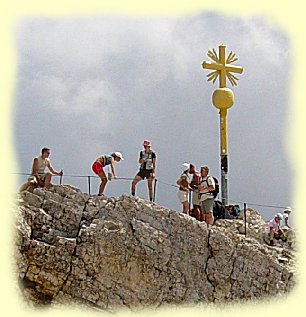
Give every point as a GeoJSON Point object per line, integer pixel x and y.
{"type": "Point", "coordinates": [186, 207]}
{"type": "Point", "coordinates": [210, 218]}
{"type": "Point", "coordinates": [135, 181]}
{"type": "Point", "coordinates": [197, 212]}
{"type": "Point", "coordinates": [26, 185]}
{"type": "Point", "coordinates": [150, 181]}
{"type": "Point", "coordinates": [47, 180]}
{"type": "Point", "coordinates": [103, 182]}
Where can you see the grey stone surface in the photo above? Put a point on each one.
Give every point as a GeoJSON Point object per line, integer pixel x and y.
{"type": "Point", "coordinates": [112, 253]}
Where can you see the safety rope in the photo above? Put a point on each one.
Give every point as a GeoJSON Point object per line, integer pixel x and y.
{"type": "Point", "coordinates": [155, 185]}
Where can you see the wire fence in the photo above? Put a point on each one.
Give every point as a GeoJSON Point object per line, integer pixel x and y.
{"type": "Point", "coordinates": [159, 181]}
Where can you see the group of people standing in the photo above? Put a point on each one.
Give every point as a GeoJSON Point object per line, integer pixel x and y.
{"type": "Point", "coordinates": [202, 186]}
{"type": "Point", "coordinates": [147, 161]}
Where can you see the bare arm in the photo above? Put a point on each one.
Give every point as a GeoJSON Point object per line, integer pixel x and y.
{"type": "Point", "coordinates": [34, 168]}
{"type": "Point", "coordinates": [113, 166]}
{"type": "Point", "coordinates": [154, 165]}
{"type": "Point", "coordinates": [287, 222]}
{"type": "Point", "coordinates": [52, 170]}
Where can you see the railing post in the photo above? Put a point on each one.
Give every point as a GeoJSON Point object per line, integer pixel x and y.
{"type": "Point", "coordinates": [88, 177]}
{"type": "Point", "coordinates": [154, 190]}
{"type": "Point", "coordinates": [245, 224]}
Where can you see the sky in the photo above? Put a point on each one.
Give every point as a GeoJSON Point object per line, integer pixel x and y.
{"type": "Point", "coordinates": [91, 86]}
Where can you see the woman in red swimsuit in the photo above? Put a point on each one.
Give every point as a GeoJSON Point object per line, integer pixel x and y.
{"type": "Point", "coordinates": [102, 161]}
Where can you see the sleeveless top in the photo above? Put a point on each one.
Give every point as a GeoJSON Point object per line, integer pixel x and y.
{"type": "Point", "coordinates": [107, 159]}
{"type": "Point", "coordinates": [185, 181]}
{"type": "Point", "coordinates": [148, 164]}
{"type": "Point", "coordinates": [41, 164]}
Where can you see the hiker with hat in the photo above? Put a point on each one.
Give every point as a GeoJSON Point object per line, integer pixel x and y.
{"type": "Point", "coordinates": [284, 224]}
{"type": "Point", "coordinates": [206, 187]}
{"type": "Point", "coordinates": [39, 178]}
{"type": "Point", "coordinates": [147, 161]}
{"type": "Point", "coordinates": [274, 230]}
{"type": "Point", "coordinates": [184, 187]}
{"type": "Point", "coordinates": [102, 161]}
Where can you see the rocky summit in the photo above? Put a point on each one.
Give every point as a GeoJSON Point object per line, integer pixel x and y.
{"type": "Point", "coordinates": [113, 253]}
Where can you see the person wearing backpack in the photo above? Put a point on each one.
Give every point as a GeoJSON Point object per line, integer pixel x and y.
{"type": "Point", "coordinates": [206, 189]}
{"type": "Point", "coordinates": [147, 161]}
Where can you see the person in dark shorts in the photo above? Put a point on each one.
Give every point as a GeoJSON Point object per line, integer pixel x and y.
{"type": "Point", "coordinates": [102, 161]}
{"type": "Point", "coordinates": [147, 161]}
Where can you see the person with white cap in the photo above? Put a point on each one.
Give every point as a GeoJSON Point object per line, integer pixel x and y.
{"type": "Point", "coordinates": [147, 161]}
{"type": "Point", "coordinates": [102, 161]}
{"type": "Point", "coordinates": [184, 187]}
{"type": "Point", "coordinates": [274, 230]}
{"type": "Point", "coordinates": [284, 224]}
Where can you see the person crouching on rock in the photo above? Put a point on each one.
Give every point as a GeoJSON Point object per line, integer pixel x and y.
{"type": "Point", "coordinates": [184, 187]}
{"type": "Point", "coordinates": [274, 230]}
{"type": "Point", "coordinates": [38, 176]}
{"type": "Point", "coordinates": [102, 161]}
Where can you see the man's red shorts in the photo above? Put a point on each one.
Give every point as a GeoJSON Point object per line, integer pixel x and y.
{"type": "Point", "coordinates": [97, 167]}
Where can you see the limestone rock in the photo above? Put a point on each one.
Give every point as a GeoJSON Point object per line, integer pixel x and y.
{"type": "Point", "coordinates": [126, 252]}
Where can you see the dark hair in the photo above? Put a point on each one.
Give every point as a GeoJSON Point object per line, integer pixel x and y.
{"type": "Point", "coordinates": [191, 165]}
{"type": "Point", "coordinates": [43, 150]}
{"type": "Point", "coordinates": [114, 155]}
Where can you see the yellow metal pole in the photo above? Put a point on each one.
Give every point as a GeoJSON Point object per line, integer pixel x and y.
{"type": "Point", "coordinates": [223, 132]}
{"type": "Point", "coordinates": [223, 99]}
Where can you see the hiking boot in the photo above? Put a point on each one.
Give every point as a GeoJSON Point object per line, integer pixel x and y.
{"type": "Point", "coordinates": [272, 242]}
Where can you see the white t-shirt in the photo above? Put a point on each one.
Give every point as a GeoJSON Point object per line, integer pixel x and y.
{"type": "Point", "coordinates": [206, 182]}
{"type": "Point", "coordinates": [283, 221]}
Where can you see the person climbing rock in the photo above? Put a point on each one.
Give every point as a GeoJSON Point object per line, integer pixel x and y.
{"type": "Point", "coordinates": [103, 161]}
{"type": "Point", "coordinates": [274, 230]}
{"type": "Point", "coordinates": [284, 224]}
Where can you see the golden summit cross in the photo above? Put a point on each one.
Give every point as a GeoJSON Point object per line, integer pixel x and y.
{"type": "Point", "coordinates": [222, 67]}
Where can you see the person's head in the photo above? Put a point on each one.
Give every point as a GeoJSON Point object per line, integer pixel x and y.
{"type": "Point", "coordinates": [147, 145]}
{"type": "Point", "coordinates": [45, 152]}
{"type": "Point", "coordinates": [204, 171]}
{"type": "Point", "coordinates": [185, 167]}
{"type": "Point", "coordinates": [288, 210]}
{"type": "Point", "coordinates": [117, 156]}
{"type": "Point", "coordinates": [278, 217]}
{"type": "Point", "coordinates": [191, 168]}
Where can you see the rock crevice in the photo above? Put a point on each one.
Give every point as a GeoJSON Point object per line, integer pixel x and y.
{"type": "Point", "coordinates": [126, 252]}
